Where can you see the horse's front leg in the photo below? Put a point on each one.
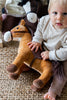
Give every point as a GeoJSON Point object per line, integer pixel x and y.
{"type": "Point", "coordinates": [17, 63]}
{"type": "Point", "coordinates": [16, 74]}
{"type": "Point", "coordinates": [23, 55]}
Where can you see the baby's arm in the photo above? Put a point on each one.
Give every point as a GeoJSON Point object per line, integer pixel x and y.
{"type": "Point", "coordinates": [61, 53]}
{"type": "Point", "coordinates": [34, 46]}
{"type": "Point", "coordinates": [36, 42]}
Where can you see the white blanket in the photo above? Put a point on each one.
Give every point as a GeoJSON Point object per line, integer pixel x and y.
{"type": "Point", "coordinates": [13, 9]}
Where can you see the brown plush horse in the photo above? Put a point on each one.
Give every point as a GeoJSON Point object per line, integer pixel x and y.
{"type": "Point", "coordinates": [26, 57]}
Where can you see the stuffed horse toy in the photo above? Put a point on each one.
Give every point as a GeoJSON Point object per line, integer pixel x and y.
{"type": "Point", "coordinates": [26, 57]}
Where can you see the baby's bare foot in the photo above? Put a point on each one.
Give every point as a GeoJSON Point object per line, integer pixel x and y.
{"type": "Point", "coordinates": [49, 96]}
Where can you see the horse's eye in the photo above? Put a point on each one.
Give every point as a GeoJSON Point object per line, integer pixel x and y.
{"type": "Point", "coordinates": [17, 28]}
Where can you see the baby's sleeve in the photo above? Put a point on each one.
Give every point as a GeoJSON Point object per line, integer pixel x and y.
{"type": "Point", "coordinates": [38, 35]}
{"type": "Point", "coordinates": [61, 53]}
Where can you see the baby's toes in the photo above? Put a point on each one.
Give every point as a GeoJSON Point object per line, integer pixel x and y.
{"type": "Point", "coordinates": [46, 96]}
{"type": "Point", "coordinates": [51, 98]}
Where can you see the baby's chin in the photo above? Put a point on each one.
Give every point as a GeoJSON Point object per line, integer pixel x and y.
{"type": "Point", "coordinates": [59, 27]}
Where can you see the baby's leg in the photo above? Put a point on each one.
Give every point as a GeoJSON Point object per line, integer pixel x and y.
{"type": "Point", "coordinates": [55, 88]}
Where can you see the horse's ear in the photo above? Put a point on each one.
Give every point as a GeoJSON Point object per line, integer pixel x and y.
{"type": "Point", "coordinates": [22, 22]}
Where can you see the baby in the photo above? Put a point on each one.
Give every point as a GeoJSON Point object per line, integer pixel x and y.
{"type": "Point", "coordinates": [52, 32]}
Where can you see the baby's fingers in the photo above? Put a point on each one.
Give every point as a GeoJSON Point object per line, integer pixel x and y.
{"type": "Point", "coordinates": [29, 43]}
{"type": "Point", "coordinates": [32, 47]}
{"type": "Point", "coordinates": [40, 48]}
{"type": "Point", "coordinates": [42, 54]}
{"type": "Point", "coordinates": [36, 49]}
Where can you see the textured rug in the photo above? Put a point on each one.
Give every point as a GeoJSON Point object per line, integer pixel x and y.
{"type": "Point", "coordinates": [19, 89]}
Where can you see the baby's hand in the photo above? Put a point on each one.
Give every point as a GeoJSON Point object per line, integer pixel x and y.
{"type": "Point", "coordinates": [45, 55]}
{"type": "Point", "coordinates": [34, 46]}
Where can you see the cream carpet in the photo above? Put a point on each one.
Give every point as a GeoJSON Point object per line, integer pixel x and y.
{"type": "Point", "coordinates": [19, 89]}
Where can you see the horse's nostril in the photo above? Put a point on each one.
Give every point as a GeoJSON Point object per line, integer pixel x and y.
{"type": "Point", "coordinates": [17, 27]}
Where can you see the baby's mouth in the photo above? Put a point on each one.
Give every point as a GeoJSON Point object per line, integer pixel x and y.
{"type": "Point", "coordinates": [59, 24]}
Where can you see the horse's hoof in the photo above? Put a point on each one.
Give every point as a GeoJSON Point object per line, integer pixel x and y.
{"type": "Point", "coordinates": [14, 76]}
{"type": "Point", "coordinates": [12, 68]}
{"type": "Point", "coordinates": [37, 85]}
{"type": "Point", "coordinates": [34, 88]}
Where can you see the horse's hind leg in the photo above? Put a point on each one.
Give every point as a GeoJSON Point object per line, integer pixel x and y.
{"type": "Point", "coordinates": [39, 83]}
